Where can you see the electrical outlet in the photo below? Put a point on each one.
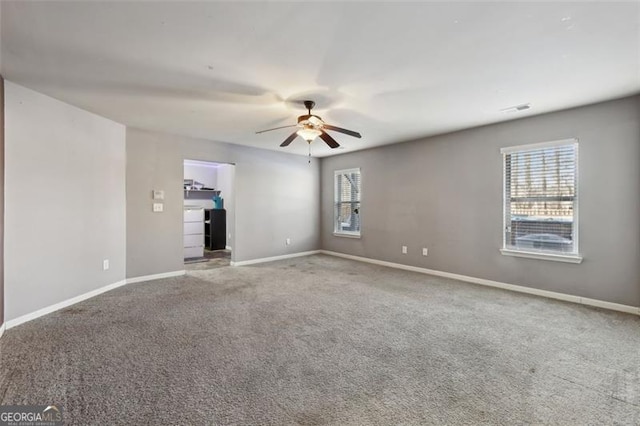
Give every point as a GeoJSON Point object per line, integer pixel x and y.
{"type": "Point", "coordinates": [158, 207]}
{"type": "Point", "coordinates": [425, 251]}
{"type": "Point", "coordinates": [288, 241]}
{"type": "Point", "coordinates": [158, 194]}
{"type": "Point", "coordinates": [404, 249]}
{"type": "Point", "coordinates": [105, 264]}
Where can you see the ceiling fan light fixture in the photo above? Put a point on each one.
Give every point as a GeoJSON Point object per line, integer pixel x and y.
{"type": "Point", "coordinates": [311, 126]}
{"type": "Point", "coordinates": [309, 133]}
{"type": "Point", "coordinates": [315, 120]}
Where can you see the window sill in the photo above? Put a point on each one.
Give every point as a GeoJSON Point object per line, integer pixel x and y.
{"type": "Point", "coordinates": [346, 235]}
{"type": "Point", "coordinates": [568, 258]}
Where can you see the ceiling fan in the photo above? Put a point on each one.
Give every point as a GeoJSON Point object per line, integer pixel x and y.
{"type": "Point", "coordinates": [311, 126]}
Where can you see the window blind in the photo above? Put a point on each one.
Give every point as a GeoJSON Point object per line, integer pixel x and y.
{"type": "Point", "coordinates": [348, 190]}
{"type": "Point", "coordinates": [540, 197]}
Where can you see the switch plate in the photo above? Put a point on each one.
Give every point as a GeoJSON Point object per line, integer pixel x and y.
{"type": "Point", "coordinates": [105, 264]}
{"type": "Point", "coordinates": [158, 194]}
{"type": "Point", "coordinates": [404, 249]}
{"type": "Point", "coordinates": [158, 207]}
{"type": "Point", "coordinates": [288, 241]}
{"type": "Point", "coordinates": [425, 251]}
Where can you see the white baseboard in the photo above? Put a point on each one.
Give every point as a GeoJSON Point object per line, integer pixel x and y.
{"type": "Point", "coordinates": [155, 276]}
{"type": "Point", "coordinates": [2, 327]}
{"type": "Point", "coordinates": [274, 258]}
{"type": "Point", "coordinates": [512, 287]}
{"type": "Point", "coordinates": [610, 305]}
{"type": "Point", "coordinates": [227, 247]}
{"type": "Point", "coordinates": [61, 305]}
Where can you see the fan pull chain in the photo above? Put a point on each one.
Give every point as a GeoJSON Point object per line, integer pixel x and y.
{"type": "Point", "coordinates": [309, 152]}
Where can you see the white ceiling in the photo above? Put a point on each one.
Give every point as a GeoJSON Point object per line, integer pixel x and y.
{"type": "Point", "coordinates": [391, 71]}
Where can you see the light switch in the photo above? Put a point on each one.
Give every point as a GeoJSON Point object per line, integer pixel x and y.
{"type": "Point", "coordinates": [158, 207]}
{"type": "Point", "coordinates": [158, 194]}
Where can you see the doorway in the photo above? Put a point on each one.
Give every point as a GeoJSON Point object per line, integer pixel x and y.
{"type": "Point", "coordinates": [208, 220]}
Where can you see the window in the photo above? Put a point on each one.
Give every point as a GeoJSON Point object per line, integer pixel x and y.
{"type": "Point", "coordinates": [540, 201]}
{"type": "Point", "coordinates": [347, 202]}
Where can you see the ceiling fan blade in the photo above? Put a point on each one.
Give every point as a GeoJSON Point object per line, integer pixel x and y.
{"type": "Point", "coordinates": [290, 139]}
{"type": "Point", "coordinates": [329, 140]}
{"type": "Point", "coordinates": [276, 128]}
{"type": "Point", "coordinates": [341, 130]}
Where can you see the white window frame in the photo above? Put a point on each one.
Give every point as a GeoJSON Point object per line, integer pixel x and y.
{"type": "Point", "coordinates": [512, 251]}
{"type": "Point", "coordinates": [336, 231]}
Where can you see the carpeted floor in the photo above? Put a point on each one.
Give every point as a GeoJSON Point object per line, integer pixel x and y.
{"type": "Point", "coordinates": [322, 340]}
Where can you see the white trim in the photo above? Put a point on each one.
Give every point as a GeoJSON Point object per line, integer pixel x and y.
{"type": "Point", "coordinates": [347, 234]}
{"type": "Point", "coordinates": [61, 305]}
{"type": "Point", "coordinates": [155, 276]}
{"type": "Point", "coordinates": [504, 201]}
{"type": "Point", "coordinates": [227, 247]}
{"type": "Point", "coordinates": [345, 171]}
{"type": "Point", "coordinates": [540, 145]}
{"type": "Point", "coordinates": [199, 163]}
{"type": "Point", "coordinates": [576, 199]}
{"type": "Point", "coordinates": [610, 305]}
{"type": "Point", "coordinates": [512, 287]}
{"type": "Point", "coordinates": [506, 216]}
{"type": "Point", "coordinates": [337, 232]}
{"type": "Point", "coordinates": [2, 328]}
{"type": "Point", "coordinates": [274, 258]}
{"type": "Point", "coordinates": [569, 258]}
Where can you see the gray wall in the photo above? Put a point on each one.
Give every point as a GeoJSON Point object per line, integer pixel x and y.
{"type": "Point", "coordinates": [276, 197]}
{"type": "Point", "coordinates": [65, 201]}
{"type": "Point", "coordinates": [445, 193]}
{"type": "Point", "coordinates": [1, 200]}
{"type": "Point", "coordinates": [226, 176]}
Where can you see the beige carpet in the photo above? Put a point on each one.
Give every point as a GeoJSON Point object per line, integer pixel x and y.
{"type": "Point", "coordinates": [322, 340]}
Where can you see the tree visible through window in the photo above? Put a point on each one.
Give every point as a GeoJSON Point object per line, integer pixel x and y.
{"type": "Point", "coordinates": [540, 197]}
{"type": "Point", "coordinates": [347, 202]}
